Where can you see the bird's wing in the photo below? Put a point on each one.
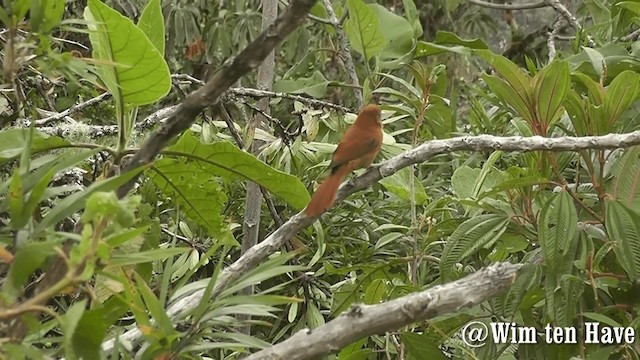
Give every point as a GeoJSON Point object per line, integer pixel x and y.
{"type": "Point", "coordinates": [354, 145]}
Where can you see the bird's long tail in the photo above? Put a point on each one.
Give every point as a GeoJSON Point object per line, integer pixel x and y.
{"type": "Point", "coordinates": [324, 197]}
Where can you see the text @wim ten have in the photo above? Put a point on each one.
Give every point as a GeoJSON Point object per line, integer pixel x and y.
{"type": "Point", "coordinates": [477, 333]}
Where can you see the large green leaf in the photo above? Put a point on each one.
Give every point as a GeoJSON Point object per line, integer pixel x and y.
{"type": "Point", "coordinates": [13, 141]}
{"type": "Point", "coordinates": [362, 29]}
{"type": "Point", "coordinates": [551, 85]}
{"type": "Point", "coordinates": [196, 189]}
{"type": "Point", "coordinates": [620, 94]}
{"type": "Point", "coordinates": [398, 35]}
{"type": "Point", "coordinates": [623, 228]}
{"type": "Point", "coordinates": [226, 160]}
{"type": "Point", "coordinates": [133, 69]}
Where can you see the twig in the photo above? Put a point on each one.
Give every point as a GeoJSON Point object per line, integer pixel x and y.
{"type": "Point", "coordinates": [69, 111]}
{"type": "Point", "coordinates": [632, 36]}
{"type": "Point", "coordinates": [420, 154]}
{"type": "Point", "coordinates": [259, 94]}
{"type": "Point", "coordinates": [345, 53]}
{"type": "Point", "coordinates": [527, 6]}
{"type": "Point", "coordinates": [551, 39]}
{"type": "Point", "coordinates": [567, 15]}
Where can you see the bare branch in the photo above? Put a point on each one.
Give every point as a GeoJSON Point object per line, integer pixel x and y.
{"type": "Point", "coordinates": [551, 39]}
{"type": "Point", "coordinates": [420, 154]}
{"type": "Point", "coordinates": [632, 36]}
{"type": "Point", "coordinates": [345, 52]}
{"type": "Point", "coordinates": [527, 6]}
{"type": "Point", "coordinates": [365, 320]}
{"type": "Point", "coordinates": [568, 16]}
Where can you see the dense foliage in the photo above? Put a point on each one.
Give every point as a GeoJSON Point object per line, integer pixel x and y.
{"type": "Point", "coordinates": [81, 263]}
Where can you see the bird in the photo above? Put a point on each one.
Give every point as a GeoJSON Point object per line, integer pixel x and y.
{"type": "Point", "coordinates": [358, 148]}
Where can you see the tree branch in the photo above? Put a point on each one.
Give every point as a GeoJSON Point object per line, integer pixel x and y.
{"type": "Point", "coordinates": [365, 320]}
{"type": "Point", "coordinates": [527, 6]}
{"type": "Point", "coordinates": [420, 154]}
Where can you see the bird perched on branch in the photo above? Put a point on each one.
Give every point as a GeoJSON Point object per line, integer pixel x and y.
{"type": "Point", "coordinates": [358, 148]}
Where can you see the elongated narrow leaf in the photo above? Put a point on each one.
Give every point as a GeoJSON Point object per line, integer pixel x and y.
{"type": "Point", "coordinates": [469, 237]}
{"type": "Point", "coordinates": [625, 185]}
{"type": "Point", "coordinates": [623, 228]}
{"type": "Point", "coordinates": [551, 85]}
{"type": "Point", "coordinates": [519, 81]}
{"type": "Point", "coordinates": [557, 226]}
{"type": "Point", "coordinates": [508, 96]}
{"type": "Point", "coordinates": [226, 160]}
{"type": "Point", "coordinates": [362, 29]}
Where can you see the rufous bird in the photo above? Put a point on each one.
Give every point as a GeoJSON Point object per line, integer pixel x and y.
{"type": "Point", "coordinates": [358, 148]}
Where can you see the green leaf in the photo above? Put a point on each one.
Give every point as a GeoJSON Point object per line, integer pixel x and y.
{"type": "Point", "coordinates": [375, 292]}
{"type": "Point", "coordinates": [93, 325]}
{"type": "Point", "coordinates": [76, 201]}
{"type": "Point", "coordinates": [413, 16]}
{"type": "Point", "coordinates": [557, 226]}
{"type": "Point", "coordinates": [448, 42]}
{"type": "Point", "coordinates": [315, 85]}
{"type": "Point", "coordinates": [154, 306]}
{"type": "Point", "coordinates": [45, 15]}
{"type": "Point", "coordinates": [512, 74]}
{"type": "Point", "coordinates": [151, 22]}
{"type": "Point", "coordinates": [620, 94]}
{"type": "Point", "coordinates": [625, 186]}
{"type": "Point", "coordinates": [28, 258]}
{"type": "Point", "coordinates": [226, 160]}
{"type": "Point", "coordinates": [469, 237]}
{"type": "Point", "coordinates": [133, 69]}
{"type": "Point", "coordinates": [13, 141]}
{"type": "Point", "coordinates": [596, 58]}
{"type": "Point", "coordinates": [630, 5]}
{"type": "Point", "coordinates": [198, 192]}
{"type": "Point", "coordinates": [419, 346]}
{"type": "Point", "coordinates": [69, 321]}
{"type": "Point", "coordinates": [508, 96]}
{"type": "Point", "coordinates": [362, 29]}
{"type": "Point", "coordinates": [550, 89]}
{"type": "Point", "coordinates": [398, 34]}
{"type": "Point", "coordinates": [16, 201]}
{"type": "Point", "coordinates": [449, 38]}
{"type": "Point", "coordinates": [623, 229]}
